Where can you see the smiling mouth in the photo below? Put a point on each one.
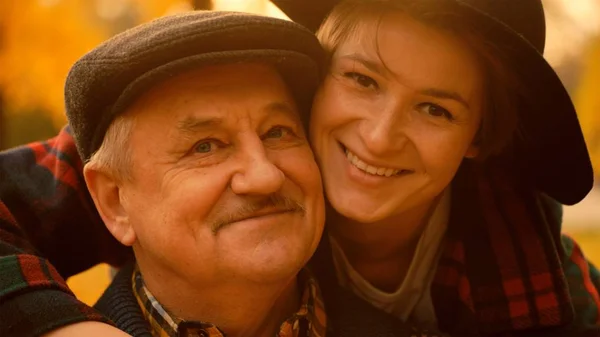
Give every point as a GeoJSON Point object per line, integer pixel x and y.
{"type": "Point", "coordinates": [355, 161]}
{"type": "Point", "coordinates": [264, 213]}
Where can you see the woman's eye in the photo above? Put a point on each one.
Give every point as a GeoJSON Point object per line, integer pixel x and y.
{"type": "Point", "coordinates": [205, 146]}
{"type": "Point", "coordinates": [362, 80]}
{"type": "Point", "coordinates": [435, 110]}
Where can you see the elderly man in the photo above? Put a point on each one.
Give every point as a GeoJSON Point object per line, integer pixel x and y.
{"type": "Point", "coordinates": [197, 158]}
{"type": "Point", "coordinates": [191, 128]}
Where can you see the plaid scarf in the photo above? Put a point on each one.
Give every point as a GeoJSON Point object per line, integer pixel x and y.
{"type": "Point", "coordinates": [309, 321]}
{"type": "Point", "coordinates": [506, 268]}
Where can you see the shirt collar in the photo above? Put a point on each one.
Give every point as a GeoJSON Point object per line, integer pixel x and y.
{"type": "Point", "coordinates": [310, 320]}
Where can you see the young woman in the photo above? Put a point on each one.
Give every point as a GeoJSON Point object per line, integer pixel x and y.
{"type": "Point", "coordinates": [436, 133]}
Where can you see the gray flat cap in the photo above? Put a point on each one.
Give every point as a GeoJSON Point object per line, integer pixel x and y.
{"type": "Point", "coordinates": [105, 81]}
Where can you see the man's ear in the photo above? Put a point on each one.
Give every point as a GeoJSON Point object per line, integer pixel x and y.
{"type": "Point", "coordinates": [108, 198]}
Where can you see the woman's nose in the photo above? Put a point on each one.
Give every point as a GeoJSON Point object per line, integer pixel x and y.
{"type": "Point", "coordinates": [385, 132]}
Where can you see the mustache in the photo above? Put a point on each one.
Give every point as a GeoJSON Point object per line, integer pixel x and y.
{"type": "Point", "coordinates": [248, 206]}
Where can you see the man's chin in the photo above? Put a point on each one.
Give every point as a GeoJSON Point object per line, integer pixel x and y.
{"type": "Point", "coordinates": [268, 252]}
{"type": "Point", "coordinates": [273, 264]}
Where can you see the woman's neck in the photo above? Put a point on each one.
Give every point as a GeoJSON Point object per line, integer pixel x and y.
{"type": "Point", "coordinates": [381, 252]}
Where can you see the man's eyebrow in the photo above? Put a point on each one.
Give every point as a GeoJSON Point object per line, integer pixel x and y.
{"type": "Point", "coordinates": [281, 107]}
{"type": "Point", "coordinates": [369, 64]}
{"type": "Point", "coordinates": [192, 125]}
{"type": "Point", "coordinates": [445, 94]}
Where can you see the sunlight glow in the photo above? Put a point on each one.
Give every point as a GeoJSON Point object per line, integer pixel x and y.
{"type": "Point", "coordinates": [570, 25]}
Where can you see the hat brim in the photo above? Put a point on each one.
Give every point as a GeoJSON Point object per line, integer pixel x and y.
{"type": "Point", "coordinates": [299, 72]}
{"type": "Point", "coordinates": [550, 147]}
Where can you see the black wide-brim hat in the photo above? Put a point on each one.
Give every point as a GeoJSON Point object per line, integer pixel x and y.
{"type": "Point", "coordinates": [550, 148]}
{"type": "Point", "coordinates": [107, 80]}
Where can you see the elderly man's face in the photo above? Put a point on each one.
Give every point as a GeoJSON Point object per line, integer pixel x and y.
{"type": "Point", "coordinates": [224, 184]}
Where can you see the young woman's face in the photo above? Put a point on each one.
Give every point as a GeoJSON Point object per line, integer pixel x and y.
{"type": "Point", "coordinates": [395, 117]}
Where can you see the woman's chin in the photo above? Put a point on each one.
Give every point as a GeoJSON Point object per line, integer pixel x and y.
{"type": "Point", "coordinates": [356, 210]}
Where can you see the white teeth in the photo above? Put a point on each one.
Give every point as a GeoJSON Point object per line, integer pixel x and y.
{"type": "Point", "coordinates": [371, 169]}
{"type": "Point", "coordinates": [361, 165]}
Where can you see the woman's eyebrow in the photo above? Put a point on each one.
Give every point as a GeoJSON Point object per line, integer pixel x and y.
{"type": "Point", "coordinates": [368, 63]}
{"type": "Point", "coordinates": [377, 68]}
{"type": "Point", "coordinates": [445, 94]}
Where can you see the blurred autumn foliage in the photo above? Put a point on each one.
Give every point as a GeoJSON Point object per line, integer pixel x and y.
{"type": "Point", "coordinates": [32, 76]}
{"type": "Point", "coordinates": [41, 39]}
{"type": "Point", "coordinates": [587, 100]}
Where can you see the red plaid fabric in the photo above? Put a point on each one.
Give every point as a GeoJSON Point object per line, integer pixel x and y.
{"type": "Point", "coordinates": [45, 211]}
{"type": "Point", "coordinates": [506, 268]}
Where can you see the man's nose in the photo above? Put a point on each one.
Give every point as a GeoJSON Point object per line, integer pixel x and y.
{"type": "Point", "coordinates": [384, 132]}
{"type": "Point", "coordinates": [257, 174]}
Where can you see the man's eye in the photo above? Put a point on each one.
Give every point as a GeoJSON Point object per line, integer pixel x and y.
{"type": "Point", "coordinates": [435, 110]}
{"type": "Point", "coordinates": [277, 132]}
{"type": "Point", "coordinates": [362, 80]}
{"type": "Point", "coordinates": [205, 146]}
